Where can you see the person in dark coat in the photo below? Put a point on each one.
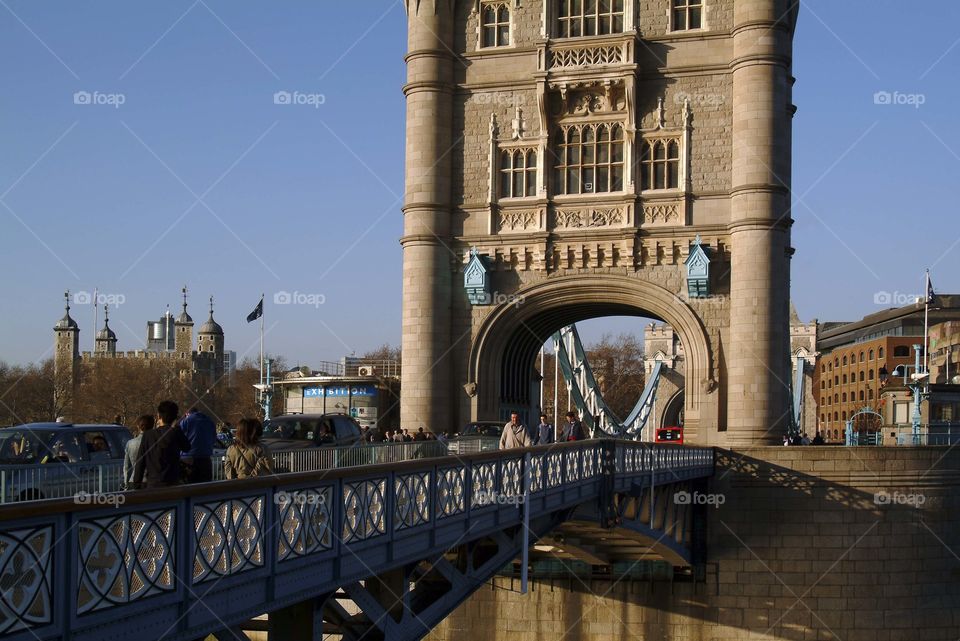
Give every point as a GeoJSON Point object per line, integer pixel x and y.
{"type": "Point", "coordinates": [158, 458]}
{"type": "Point", "coordinates": [573, 430]}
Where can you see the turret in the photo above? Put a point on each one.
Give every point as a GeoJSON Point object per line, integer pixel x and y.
{"type": "Point", "coordinates": [106, 340]}
{"type": "Point", "coordinates": [183, 343]}
{"type": "Point", "coordinates": [66, 358]}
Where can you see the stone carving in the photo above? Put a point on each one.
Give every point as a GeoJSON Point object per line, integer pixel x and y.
{"type": "Point", "coordinates": [595, 217]}
{"type": "Point", "coordinates": [666, 213]}
{"type": "Point", "coordinates": [589, 55]}
{"type": "Point", "coordinates": [518, 221]}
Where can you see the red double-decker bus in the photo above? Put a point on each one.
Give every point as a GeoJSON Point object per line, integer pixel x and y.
{"type": "Point", "coordinates": [673, 435]}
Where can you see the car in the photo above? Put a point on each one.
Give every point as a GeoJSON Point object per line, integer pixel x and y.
{"type": "Point", "coordinates": [310, 430]}
{"type": "Point", "coordinates": [47, 460]}
{"type": "Point", "coordinates": [478, 436]}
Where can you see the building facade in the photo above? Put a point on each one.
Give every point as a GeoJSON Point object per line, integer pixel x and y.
{"type": "Point", "coordinates": [586, 151]}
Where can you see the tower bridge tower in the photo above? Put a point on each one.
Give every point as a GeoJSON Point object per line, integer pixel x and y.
{"type": "Point", "coordinates": [585, 151]}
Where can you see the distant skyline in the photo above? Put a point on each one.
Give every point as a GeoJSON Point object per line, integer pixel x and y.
{"type": "Point", "coordinates": [248, 149]}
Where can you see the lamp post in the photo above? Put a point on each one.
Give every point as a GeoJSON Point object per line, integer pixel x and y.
{"type": "Point", "coordinates": [265, 391]}
{"type": "Point", "coordinates": [917, 382]}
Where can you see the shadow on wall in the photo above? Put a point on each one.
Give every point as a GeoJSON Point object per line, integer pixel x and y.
{"type": "Point", "coordinates": [807, 543]}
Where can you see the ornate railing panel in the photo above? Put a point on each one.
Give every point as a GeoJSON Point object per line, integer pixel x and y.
{"type": "Point", "coordinates": [229, 537]}
{"type": "Point", "coordinates": [26, 580]}
{"type": "Point", "coordinates": [304, 518]}
{"type": "Point", "coordinates": [125, 558]}
{"type": "Point", "coordinates": [587, 55]}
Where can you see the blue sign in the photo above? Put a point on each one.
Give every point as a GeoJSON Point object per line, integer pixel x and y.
{"type": "Point", "coordinates": [341, 391]}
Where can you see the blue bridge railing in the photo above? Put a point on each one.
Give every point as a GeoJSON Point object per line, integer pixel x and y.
{"type": "Point", "coordinates": [180, 563]}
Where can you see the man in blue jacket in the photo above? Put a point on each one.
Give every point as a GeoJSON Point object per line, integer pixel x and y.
{"type": "Point", "coordinates": [202, 434]}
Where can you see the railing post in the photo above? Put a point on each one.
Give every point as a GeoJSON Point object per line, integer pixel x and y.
{"type": "Point", "coordinates": [524, 571]}
{"type": "Point", "coordinates": [99, 479]}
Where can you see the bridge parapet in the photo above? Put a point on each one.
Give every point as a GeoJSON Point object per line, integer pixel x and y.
{"type": "Point", "coordinates": [183, 562]}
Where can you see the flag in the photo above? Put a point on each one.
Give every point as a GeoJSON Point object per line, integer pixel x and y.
{"type": "Point", "coordinates": [257, 312]}
{"type": "Point", "coordinates": [931, 295]}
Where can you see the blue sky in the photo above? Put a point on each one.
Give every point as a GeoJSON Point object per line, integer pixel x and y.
{"type": "Point", "coordinates": [199, 178]}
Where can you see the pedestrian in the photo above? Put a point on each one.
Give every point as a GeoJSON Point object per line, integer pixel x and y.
{"type": "Point", "coordinates": [158, 458]}
{"type": "Point", "coordinates": [246, 456]}
{"type": "Point", "coordinates": [545, 435]}
{"type": "Point", "coordinates": [786, 440]}
{"type": "Point", "coordinates": [818, 439]}
{"type": "Point", "coordinates": [515, 433]}
{"type": "Point", "coordinates": [132, 448]}
{"type": "Point", "coordinates": [420, 435]}
{"type": "Point", "coordinates": [804, 440]}
{"type": "Point", "coordinates": [198, 458]}
{"type": "Point", "coordinates": [573, 430]}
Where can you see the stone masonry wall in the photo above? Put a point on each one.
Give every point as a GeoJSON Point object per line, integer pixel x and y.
{"type": "Point", "coordinates": [812, 543]}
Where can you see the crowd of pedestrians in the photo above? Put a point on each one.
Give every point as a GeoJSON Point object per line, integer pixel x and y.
{"type": "Point", "coordinates": [169, 450]}
{"type": "Point", "coordinates": [516, 434]}
{"type": "Point", "coordinates": [802, 439]}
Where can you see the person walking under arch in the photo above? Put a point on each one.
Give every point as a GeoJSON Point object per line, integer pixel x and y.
{"type": "Point", "coordinates": [515, 433]}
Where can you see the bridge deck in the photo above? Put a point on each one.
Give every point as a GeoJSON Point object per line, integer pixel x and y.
{"type": "Point", "coordinates": [180, 563]}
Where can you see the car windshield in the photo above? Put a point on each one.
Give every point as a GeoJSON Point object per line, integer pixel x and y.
{"type": "Point", "coordinates": [480, 429]}
{"type": "Point", "coordinates": [23, 446]}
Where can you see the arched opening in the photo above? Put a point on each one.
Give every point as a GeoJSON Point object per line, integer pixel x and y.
{"type": "Point", "coordinates": [502, 372]}
{"type": "Point", "coordinates": [673, 414]}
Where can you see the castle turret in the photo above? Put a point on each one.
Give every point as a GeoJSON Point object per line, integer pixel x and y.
{"type": "Point", "coordinates": [183, 343]}
{"type": "Point", "coordinates": [66, 358]}
{"type": "Point", "coordinates": [106, 341]}
{"type": "Point", "coordinates": [210, 348]}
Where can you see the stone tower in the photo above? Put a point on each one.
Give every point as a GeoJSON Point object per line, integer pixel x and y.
{"type": "Point", "coordinates": [66, 359]}
{"type": "Point", "coordinates": [596, 159]}
{"type": "Point", "coordinates": [210, 348]}
{"type": "Point", "coordinates": [106, 341]}
{"type": "Point", "coordinates": [183, 342]}
{"type": "Point", "coordinates": [427, 273]}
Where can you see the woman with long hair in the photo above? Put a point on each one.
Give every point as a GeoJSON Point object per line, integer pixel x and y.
{"type": "Point", "coordinates": [246, 456]}
{"type": "Point", "coordinates": [144, 424]}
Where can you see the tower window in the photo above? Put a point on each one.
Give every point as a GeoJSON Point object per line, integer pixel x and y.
{"type": "Point", "coordinates": [589, 159]}
{"type": "Point", "coordinates": [590, 17]}
{"type": "Point", "coordinates": [495, 24]}
{"type": "Point", "coordinates": [518, 173]}
{"type": "Point", "coordinates": [660, 164]}
{"type": "Point", "coordinates": [687, 14]}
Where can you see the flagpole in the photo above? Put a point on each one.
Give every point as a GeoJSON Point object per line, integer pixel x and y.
{"type": "Point", "coordinates": [261, 340]}
{"type": "Point", "coordinates": [926, 319]}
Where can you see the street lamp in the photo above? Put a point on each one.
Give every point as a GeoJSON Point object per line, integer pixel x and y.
{"type": "Point", "coordinates": [265, 391]}
{"type": "Point", "coordinates": [917, 382]}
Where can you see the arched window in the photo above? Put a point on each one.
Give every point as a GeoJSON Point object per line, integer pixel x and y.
{"type": "Point", "coordinates": [836, 362]}
{"type": "Point", "coordinates": [844, 379]}
{"type": "Point", "coordinates": [660, 164]}
{"type": "Point", "coordinates": [836, 416]}
{"type": "Point", "coordinates": [844, 397]}
{"type": "Point", "coordinates": [590, 17]}
{"type": "Point", "coordinates": [589, 159]}
{"type": "Point", "coordinates": [843, 416]}
{"type": "Point", "coordinates": [880, 353]}
{"type": "Point", "coordinates": [495, 27]}
{"type": "Point", "coordinates": [870, 375]}
{"type": "Point", "coordinates": [871, 354]}
{"type": "Point", "coordinates": [861, 395]}
{"type": "Point", "coordinates": [518, 173]}
{"type": "Point", "coordinates": [870, 393]}
{"type": "Point", "coordinates": [861, 376]}
{"type": "Point", "coordinates": [844, 360]}
{"type": "Point", "coordinates": [861, 357]}
{"type": "Point", "coordinates": [836, 380]}
{"type": "Point", "coordinates": [836, 434]}
{"type": "Point", "coordinates": [836, 398]}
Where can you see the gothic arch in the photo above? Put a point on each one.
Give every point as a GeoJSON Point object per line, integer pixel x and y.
{"type": "Point", "coordinates": [509, 338]}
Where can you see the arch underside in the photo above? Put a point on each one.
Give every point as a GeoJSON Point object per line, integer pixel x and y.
{"type": "Point", "coordinates": [504, 351]}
